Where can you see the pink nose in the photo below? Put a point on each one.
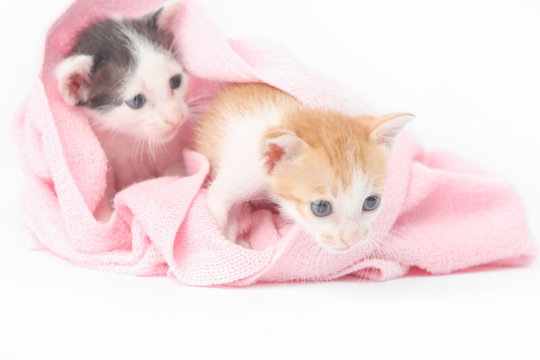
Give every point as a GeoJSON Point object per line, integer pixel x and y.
{"type": "Point", "coordinates": [174, 121]}
{"type": "Point", "coordinates": [350, 235]}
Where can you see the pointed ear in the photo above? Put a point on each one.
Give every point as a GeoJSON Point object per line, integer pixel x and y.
{"type": "Point", "coordinates": [72, 77]}
{"type": "Point", "coordinates": [387, 128]}
{"type": "Point", "coordinates": [279, 146]}
{"type": "Point", "coordinates": [164, 17]}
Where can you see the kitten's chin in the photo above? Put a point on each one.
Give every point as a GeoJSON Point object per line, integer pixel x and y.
{"type": "Point", "coordinates": [340, 248]}
{"type": "Point", "coordinates": [168, 135]}
{"type": "Point", "coordinates": [336, 250]}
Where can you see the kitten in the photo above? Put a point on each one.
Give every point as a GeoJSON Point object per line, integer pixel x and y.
{"type": "Point", "coordinates": [325, 170]}
{"type": "Point", "coordinates": [125, 75]}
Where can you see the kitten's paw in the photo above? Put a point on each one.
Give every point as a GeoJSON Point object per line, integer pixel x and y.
{"type": "Point", "coordinates": [231, 230]}
{"type": "Point", "coordinates": [243, 243]}
{"type": "Point", "coordinates": [224, 207]}
{"type": "Point", "coordinates": [218, 209]}
{"type": "Point", "coordinates": [219, 215]}
{"type": "Point", "coordinates": [231, 233]}
{"type": "Point", "coordinates": [226, 223]}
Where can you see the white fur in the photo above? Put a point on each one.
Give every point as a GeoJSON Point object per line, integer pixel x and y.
{"type": "Point", "coordinates": [240, 174]}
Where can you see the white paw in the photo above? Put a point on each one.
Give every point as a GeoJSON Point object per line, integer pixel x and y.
{"type": "Point", "coordinates": [243, 243]}
{"type": "Point", "coordinates": [231, 230]}
{"type": "Point", "coordinates": [219, 213]}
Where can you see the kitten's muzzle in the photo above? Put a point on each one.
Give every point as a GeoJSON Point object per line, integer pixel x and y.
{"type": "Point", "coordinates": [174, 122]}
{"type": "Point", "coordinates": [348, 237]}
{"type": "Point", "coordinates": [352, 234]}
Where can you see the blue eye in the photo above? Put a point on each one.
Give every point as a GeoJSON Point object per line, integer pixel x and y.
{"type": "Point", "coordinates": [371, 203]}
{"type": "Point", "coordinates": [321, 208]}
{"type": "Point", "coordinates": [175, 81]}
{"type": "Point", "coordinates": [137, 102]}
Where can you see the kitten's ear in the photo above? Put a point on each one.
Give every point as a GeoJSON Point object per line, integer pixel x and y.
{"type": "Point", "coordinates": [279, 146]}
{"type": "Point", "coordinates": [387, 128]}
{"type": "Point", "coordinates": [165, 16]}
{"type": "Point", "coordinates": [72, 76]}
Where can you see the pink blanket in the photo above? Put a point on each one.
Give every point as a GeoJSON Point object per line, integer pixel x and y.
{"type": "Point", "coordinates": [441, 214]}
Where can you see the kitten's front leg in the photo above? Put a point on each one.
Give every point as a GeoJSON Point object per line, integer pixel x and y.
{"type": "Point", "coordinates": [219, 202]}
{"type": "Point", "coordinates": [223, 194]}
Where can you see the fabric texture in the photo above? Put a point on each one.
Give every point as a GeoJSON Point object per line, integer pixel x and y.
{"type": "Point", "coordinates": [441, 214]}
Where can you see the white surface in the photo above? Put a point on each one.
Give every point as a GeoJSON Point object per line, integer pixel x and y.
{"type": "Point", "coordinates": [470, 70]}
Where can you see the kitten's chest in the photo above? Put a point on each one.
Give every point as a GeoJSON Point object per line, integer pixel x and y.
{"type": "Point", "coordinates": [131, 161]}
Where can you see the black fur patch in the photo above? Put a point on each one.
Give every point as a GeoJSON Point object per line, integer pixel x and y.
{"type": "Point", "coordinates": [110, 47]}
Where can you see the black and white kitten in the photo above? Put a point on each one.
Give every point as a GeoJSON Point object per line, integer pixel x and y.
{"type": "Point", "coordinates": [126, 76]}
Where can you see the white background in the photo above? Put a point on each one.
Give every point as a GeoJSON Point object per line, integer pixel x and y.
{"type": "Point", "coordinates": [470, 70]}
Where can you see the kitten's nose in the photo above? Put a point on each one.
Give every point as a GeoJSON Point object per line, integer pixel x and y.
{"type": "Point", "coordinates": [174, 121]}
{"type": "Point", "coordinates": [350, 235]}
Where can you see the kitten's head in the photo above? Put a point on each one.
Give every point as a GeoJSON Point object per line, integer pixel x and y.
{"type": "Point", "coordinates": [328, 172]}
{"type": "Point", "coordinates": [124, 72]}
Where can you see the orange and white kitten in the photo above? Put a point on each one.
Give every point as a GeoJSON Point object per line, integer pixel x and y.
{"type": "Point", "coordinates": [324, 169]}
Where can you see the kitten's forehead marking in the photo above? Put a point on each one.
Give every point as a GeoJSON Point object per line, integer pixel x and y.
{"type": "Point", "coordinates": [113, 45]}
{"type": "Point", "coordinates": [321, 190]}
{"type": "Point", "coordinates": [148, 28]}
{"type": "Point", "coordinates": [151, 76]}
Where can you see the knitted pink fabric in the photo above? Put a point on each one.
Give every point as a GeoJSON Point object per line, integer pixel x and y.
{"type": "Point", "coordinates": [441, 214]}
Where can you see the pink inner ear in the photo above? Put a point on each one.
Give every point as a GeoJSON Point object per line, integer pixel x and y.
{"type": "Point", "coordinates": [75, 83]}
{"type": "Point", "coordinates": [273, 155]}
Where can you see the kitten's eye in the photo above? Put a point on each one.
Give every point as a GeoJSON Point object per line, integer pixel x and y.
{"type": "Point", "coordinates": [137, 102]}
{"type": "Point", "coordinates": [175, 81]}
{"type": "Point", "coordinates": [321, 208]}
{"type": "Point", "coordinates": [371, 203]}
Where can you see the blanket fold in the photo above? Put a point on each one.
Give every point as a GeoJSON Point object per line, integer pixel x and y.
{"type": "Point", "coordinates": [441, 214]}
